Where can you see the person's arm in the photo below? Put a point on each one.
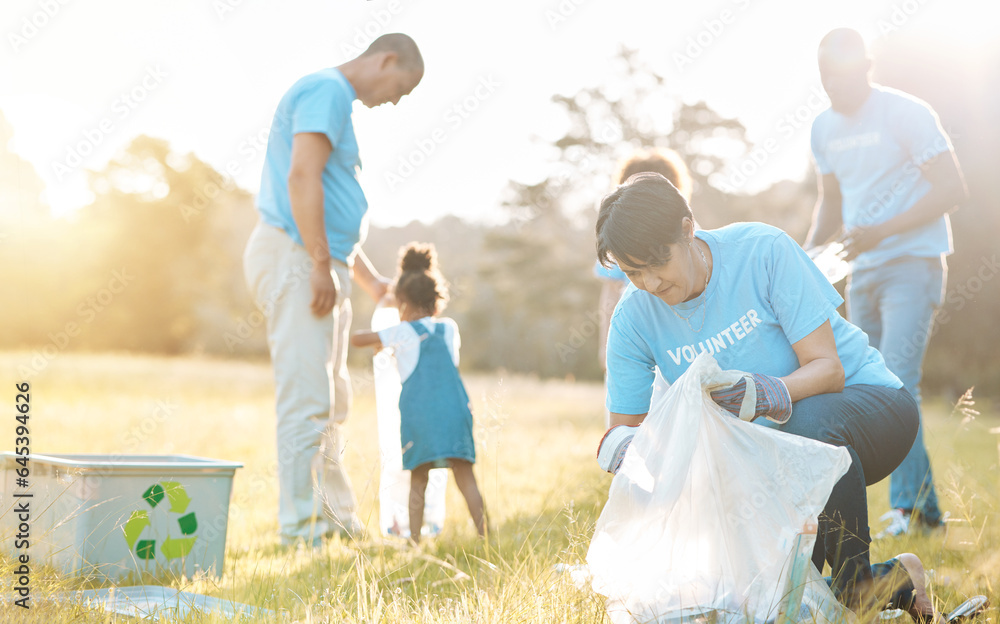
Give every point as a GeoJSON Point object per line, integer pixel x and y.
{"type": "Point", "coordinates": [820, 370]}
{"type": "Point", "coordinates": [370, 280]}
{"type": "Point", "coordinates": [802, 301]}
{"type": "Point", "coordinates": [363, 338]}
{"type": "Point", "coordinates": [630, 375]}
{"type": "Point", "coordinates": [630, 372]}
{"type": "Point", "coordinates": [828, 218]}
{"type": "Point", "coordinates": [310, 152]}
{"type": "Point", "coordinates": [631, 420]}
{"type": "Point", "coordinates": [947, 191]}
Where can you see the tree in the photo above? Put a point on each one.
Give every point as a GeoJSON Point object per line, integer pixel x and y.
{"type": "Point", "coordinates": [25, 229]}
{"type": "Point", "coordinates": [170, 229]}
{"type": "Point", "coordinates": [20, 187]}
{"type": "Point", "coordinates": [538, 305]}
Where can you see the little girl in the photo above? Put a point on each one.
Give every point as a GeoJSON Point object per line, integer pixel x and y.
{"type": "Point", "coordinates": [434, 410]}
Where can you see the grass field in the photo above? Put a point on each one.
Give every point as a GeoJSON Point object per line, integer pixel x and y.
{"type": "Point", "coordinates": [536, 469]}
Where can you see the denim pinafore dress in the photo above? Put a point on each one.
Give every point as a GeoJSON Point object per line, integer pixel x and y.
{"type": "Point", "coordinates": [435, 419]}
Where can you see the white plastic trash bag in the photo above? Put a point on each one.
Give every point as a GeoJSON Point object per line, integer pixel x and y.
{"type": "Point", "coordinates": [394, 482]}
{"type": "Point", "coordinates": [707, 511]}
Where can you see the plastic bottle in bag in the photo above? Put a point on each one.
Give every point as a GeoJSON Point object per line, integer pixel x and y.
{"type": "Point", "coordinates": [830, 261]}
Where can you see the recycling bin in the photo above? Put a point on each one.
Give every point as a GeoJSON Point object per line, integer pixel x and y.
{"type": "Point", "coordinates": [110, 517]}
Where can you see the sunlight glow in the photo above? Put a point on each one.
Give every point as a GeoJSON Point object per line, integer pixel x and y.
{"type": "Point", "coordinates": [207, 99]}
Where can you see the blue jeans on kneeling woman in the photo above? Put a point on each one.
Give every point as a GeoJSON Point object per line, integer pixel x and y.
{"type": "Point", "coordinates": [877, 425]}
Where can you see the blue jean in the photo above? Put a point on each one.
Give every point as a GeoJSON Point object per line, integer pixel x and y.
{"type": "Point", "coordinates": [877, 425]}
{"type": "Point", "coordinates": [895, 304]}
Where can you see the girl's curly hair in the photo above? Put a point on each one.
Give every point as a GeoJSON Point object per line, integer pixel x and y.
{"type": "Point", "coordinates": [419, 283]}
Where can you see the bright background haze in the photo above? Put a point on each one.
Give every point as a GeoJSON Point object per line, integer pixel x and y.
{"type": "Point", "coordinates": [214, 73]}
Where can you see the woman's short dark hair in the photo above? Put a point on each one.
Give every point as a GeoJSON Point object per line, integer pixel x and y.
{"type": "Point", "coordinates": [639, 220]}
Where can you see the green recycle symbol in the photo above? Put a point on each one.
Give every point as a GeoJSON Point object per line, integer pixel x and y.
{"type": "Point", "coordinates": [172, 548]}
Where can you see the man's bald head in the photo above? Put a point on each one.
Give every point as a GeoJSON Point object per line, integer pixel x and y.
{"type": "Point", "coordinates": [844, 47]}
{"type": "Point", "coordinates": [844, 65]}
{"type": "Point", "coordinates": [389, 69]}
{"type": "Point", "coordinates": [405, 48]}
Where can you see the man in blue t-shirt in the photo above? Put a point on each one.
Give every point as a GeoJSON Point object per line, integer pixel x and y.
{"type": "Point", "coordinates": [888, 179]}
{"type": "Point", "coordinates": [299, 262]}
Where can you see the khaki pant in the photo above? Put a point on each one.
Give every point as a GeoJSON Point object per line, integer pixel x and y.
{"type": "Point", "coordinates": [314, 492]}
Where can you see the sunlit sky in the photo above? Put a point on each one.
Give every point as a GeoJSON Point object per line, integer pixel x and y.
{"type": "Point", "coordinates": [210, 72]}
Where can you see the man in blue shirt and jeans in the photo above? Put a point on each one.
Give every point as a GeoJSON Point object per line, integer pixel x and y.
{"type": "Point", "coordinates": [298, 264]}
{"type": "Point", "coordinates": [888, 179]}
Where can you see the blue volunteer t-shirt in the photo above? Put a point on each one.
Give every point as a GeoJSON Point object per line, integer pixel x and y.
{"type": "Point", "coordinates": [876, 155]}
{"type": "Point", "coordinates": [765, 294]}
{"type": "Point", "coordinates": [319, 102]}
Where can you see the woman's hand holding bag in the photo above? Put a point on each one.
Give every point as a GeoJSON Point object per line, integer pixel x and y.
{"type": "Point", "coordinates": [611, 450]}
{"type": "Point", "coordinates": [766, 396]}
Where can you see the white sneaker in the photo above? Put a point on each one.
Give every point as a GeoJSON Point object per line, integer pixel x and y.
{"type": "Point", "coordinates": [899, 524]}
